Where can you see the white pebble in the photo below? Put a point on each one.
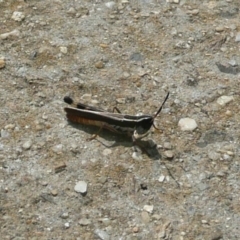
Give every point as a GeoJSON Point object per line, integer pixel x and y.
{"type": "Point", "coordinates": [230, 153]}
{"type": "Point", "coordinates": [63, 50]}
{"type": "Point", "coordinates": [10, 126]}
{"type": "Point", "coordinates": [57, 148]}
{"type": "Point", "coordinates": [161, 178]}
{"type": "Point", "coordinates": [102, 234]}
{"type": "Point", "coordinates": [67, 225]}
{"type": "Point", "coordinates": [223, 100]}
{"type": "Point", "coordinates": [148, 208]}
{"type": "Point", "coordinates": [187, 124]}
{"type": "Point", "coordinates": [110, 4]}
{"type": "Point", "coordinates": [233, 63]}
{"type": "Point", "coordinates": [169, 154]}
{"type": "Point", "coordinates": [18, 16]}
{"type": "Point", "coordinates": [81, 187]}
{"type": "Point", "coordinates": [27, 145]}
{"type": "Point", "coordinates": [226, 157]}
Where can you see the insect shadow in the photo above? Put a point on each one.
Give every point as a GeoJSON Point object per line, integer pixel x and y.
{"type": "Point", "coordinates": [114, 140]}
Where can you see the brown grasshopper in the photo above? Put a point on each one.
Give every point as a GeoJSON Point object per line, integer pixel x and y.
{"type": "Point", "coordinates": [136, 127]}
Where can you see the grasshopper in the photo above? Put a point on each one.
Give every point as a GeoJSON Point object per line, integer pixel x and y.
{"type": "Point", "coordinates": [136, 127]}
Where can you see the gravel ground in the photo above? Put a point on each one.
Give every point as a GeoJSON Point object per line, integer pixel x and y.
{"type": "Point", "coordinates": [129, 54]}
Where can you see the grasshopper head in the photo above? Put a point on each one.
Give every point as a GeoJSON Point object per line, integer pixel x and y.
{"type": "Point", "coordinates": [144, 125]}
{"type": "Point", "coordinates": [148, 121]}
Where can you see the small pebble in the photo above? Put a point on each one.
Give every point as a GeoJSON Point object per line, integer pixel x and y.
{"type": "Point", "coordinates": [94, 101]}
{"type": "Point", "coordinates": [105, 220]}
{"type": "Point", "coordinates": [161, 178]}
{"type": "Point", "coordinates": [228, 113]}
{"type": "Point", "coordinates": [27, 145]}
{"type": "Point", "coordinates": [54, 192]}
{"type": "Point", "coordinates": [233, 63]}
{"type": "Point", "coordinates": [110, 4]}
{"type": "Point", "coordinates": [187, 124]}
{"type": "Point", "coordinates": [221, 174]}
{"type": "Point", "coordinates": [156, 217]}
{"type": "Point", "coordinates": [44, 116]}
{"type": "Point", "coordinates": [173, 1]}
{"type": "Point", "coordinates": [214, 155]}
{"type": "Point", "coordinates": [99, 64]}
{"type": "Point", "coordinates": [2, 63]}
{"type": "Point", "coordinates": [4, 133]}
{"type": "Point", "coordinates": [86, 96]}
{"type": "Point", "coordinates": [9, 126]}
{"type": "Point", "coordinates": [65, 215]}
{"type": "Point", "coordinates": [145, 217]}
{"type": "Point", "coordinates": [148, 208]}
{"type": "Point", "coordinates": [169, 154]}
{"type": "Point", "coordinates": [102, 234]}
{"type": "Point", "coordinates": [102, 179]}
{"type": "Point", "coordinates": [219, 29]}
{"type": "Point", "coordinates": [107, 152]}
{"type": "Point", "coordinates": [84, 221]}
{"type": "Point", "coordinates": [167, 145]}
{"type": "Point", "coordinates": [44, 183]}
{"type": "Point", "coordinates": [59, 168]}
{"type": "Point", "coordinates": [217, 236]}
{"type": "Point", "coordinates": [230, 153]}
{"type": "Point", "coordinates": [18, 16]}
{"type": "Point", "coordinates": [126, 74]}
{"type": "Point", "coordinates": [135, 230]}
{"type": "Point", "coordinates": [193, 12]}
{"type": "Point", "coordinates": [103, 45]}
{"type": "Point", "coordinates": [57, 148]}
{"type": "Point", "coordinates": [63, 50]}
{"type": "Point", "coordinates": [67, 225]}
{"type": "Point", "coordinates": [71, 11]}
{"type": "Point", "coordinates": [237, 39]}
{"type": "Point", "coordinates": [81, 187]}
{"type": "Point", "coordinates": [223, 100]}
{"type": "Point", "coordinates": [226, 157]}
{"type": "Point", "coordinates": [121, 100]}
{"type": "Point", "coordinates": [14, 33]}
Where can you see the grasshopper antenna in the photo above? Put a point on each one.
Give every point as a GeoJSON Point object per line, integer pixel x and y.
{"type": "Point", "coordinates": [159, 110]}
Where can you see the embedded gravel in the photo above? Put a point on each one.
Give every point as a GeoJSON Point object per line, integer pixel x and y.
{"type": "Point", "coordinates": [54, 184]}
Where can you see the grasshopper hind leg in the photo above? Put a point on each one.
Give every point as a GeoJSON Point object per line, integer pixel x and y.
{"type": "Point", "coordinates": [94, 136]}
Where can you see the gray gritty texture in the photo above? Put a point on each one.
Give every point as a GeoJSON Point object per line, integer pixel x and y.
{"type": "Point", "coordinates": [127, 54]}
